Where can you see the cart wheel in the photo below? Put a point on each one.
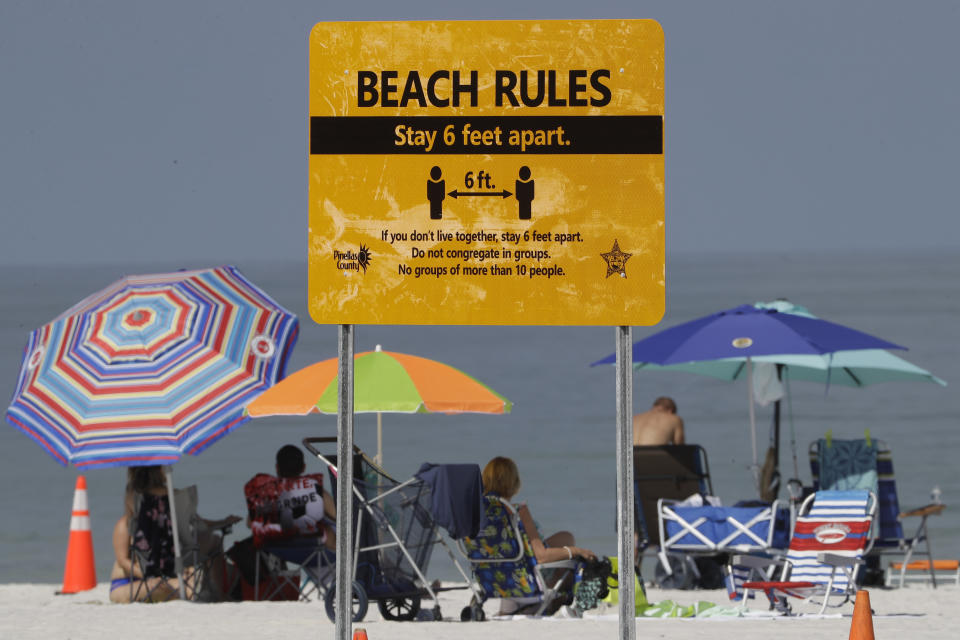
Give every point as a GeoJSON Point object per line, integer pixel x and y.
{"type": "Point", "coordinates": [400, 609]}
{"type": "Point", "coordinates": [473, 613]}
{"type": "Point", "coordinates": [681, 578]}
{"type": "Point", "coordinates": [359, 604]}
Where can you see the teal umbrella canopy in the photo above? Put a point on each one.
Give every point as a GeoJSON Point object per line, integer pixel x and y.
{"type": "Point", "coordinates": [846, 368]}
{"type": "Point", "coordinates": [857, 368]}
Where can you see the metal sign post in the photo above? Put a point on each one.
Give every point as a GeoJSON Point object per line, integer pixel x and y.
{"type": "Point", "coordinates": [624, 374]}
{"type": "Point", "coordinates": [344, 579]}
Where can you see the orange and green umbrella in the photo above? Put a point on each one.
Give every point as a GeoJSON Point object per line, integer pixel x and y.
{"type": "Point", "coordinates": [384, 382]}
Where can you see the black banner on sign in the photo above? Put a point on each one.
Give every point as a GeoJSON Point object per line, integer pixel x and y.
{"type": "Point", "coordinates": [379, 135]}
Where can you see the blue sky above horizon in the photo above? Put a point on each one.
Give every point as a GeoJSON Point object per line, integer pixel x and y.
{"type": "Point", "coordinates": [136, 132]}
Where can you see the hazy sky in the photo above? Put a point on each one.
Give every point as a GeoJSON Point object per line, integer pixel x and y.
{"type": "Point", "coordinates": [136, 131]}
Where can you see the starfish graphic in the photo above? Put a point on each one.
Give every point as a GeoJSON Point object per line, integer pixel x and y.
{"type": "Point", "coordinates": [616, 261]}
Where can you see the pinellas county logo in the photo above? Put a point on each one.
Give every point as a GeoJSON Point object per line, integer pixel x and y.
{"type": "Point", "coordinates": [353, 260]}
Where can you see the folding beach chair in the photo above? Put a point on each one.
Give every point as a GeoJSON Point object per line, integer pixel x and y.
{"type": "Point", "coordinates": [838, 464]}
{"type": "Point", "coordinates": [297, 569]}
{"type": "Point", "coordinates": [674, 473]}
{"type": "Point", "coordinates": [151, 548]}
{"type": "Point", "coordinates": [830, 537]}
{"type": "Point", "coordinates": [201, 549]}
{"type": "Point", "coordinates": [666, 471]}
{"type": "Point", "coordinates": [504, 565]}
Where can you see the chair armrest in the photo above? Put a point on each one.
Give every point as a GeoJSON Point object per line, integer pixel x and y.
{"type": "Point", "coordinates": [838, 561]}
{"type": "Point", "coordinates": [224, 524]}
{"type": "Point", "coordinates": [928, 510]}
{"type": "Point", "coordinates": [558, 564]}
{"type": "Point", "coordinates": [754, 562]}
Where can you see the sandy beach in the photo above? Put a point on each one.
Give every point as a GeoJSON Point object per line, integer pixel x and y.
{"type": "Point", "coordinates": [32, 611]}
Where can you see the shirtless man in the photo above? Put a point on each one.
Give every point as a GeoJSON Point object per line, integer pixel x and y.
{"type": "Point", "coordinates": [659, 425]}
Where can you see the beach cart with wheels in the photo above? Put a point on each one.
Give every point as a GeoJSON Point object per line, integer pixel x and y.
{"type": "Point", "coordinates": [693, 529]}
{"type": "Point", "coordinates": [693, 536]}
{"type": "Point", "coordinates": [396, 532]}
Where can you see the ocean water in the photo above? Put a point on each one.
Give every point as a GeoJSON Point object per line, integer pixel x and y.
{"type": "Point", "coordinates": [561, 431]}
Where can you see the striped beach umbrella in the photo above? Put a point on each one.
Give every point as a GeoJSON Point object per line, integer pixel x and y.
{"type": "Point", "coordinates": [150, 368]}
{"type": "Point", "coordinates": [384, 382]}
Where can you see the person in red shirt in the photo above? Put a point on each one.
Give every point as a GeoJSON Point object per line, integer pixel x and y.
{"type": "Point", "coordinates": [290, 505]}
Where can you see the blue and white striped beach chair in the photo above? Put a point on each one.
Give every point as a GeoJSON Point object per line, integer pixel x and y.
{"type": "Point", "coordinates": [830, 537]}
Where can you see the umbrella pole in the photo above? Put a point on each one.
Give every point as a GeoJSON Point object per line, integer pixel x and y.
{"type": "Point", "coordinates": [755, 468]}
{"type": "Point", "coordinates": [344, 566]}
{"type": "Point", "coordinates": [178, 559]}
{"type": "Point", "coordinates": [793, 433]}
{"type": "Point", "coordinates": [625, 550]}
{"type": "Point", "coordinates": [776, 420]}
{"type": "Point", "coordinates": [379, 439]}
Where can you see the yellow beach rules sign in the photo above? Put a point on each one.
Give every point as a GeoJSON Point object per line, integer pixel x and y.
{"type": "Point", "coordinates": [494, 172]}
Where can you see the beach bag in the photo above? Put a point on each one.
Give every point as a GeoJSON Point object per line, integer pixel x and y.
{"type": "Point", "coordinates": [591, 584]}
{"type": "Point", "coordinates": [613, 596]}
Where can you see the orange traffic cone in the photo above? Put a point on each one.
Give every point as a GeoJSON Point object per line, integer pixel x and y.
{"type": "Point", "coordinates": [862, 626]}
{"type": "Point", "coordinates": [79, 573]}
{"type": "Point", "coordinates": [360, 634]}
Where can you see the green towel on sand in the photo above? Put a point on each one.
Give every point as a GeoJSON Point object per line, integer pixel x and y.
{"type": "Point", "coordinates": [670, 609]}
{"type": "Point", "coordinates": [666, 608]}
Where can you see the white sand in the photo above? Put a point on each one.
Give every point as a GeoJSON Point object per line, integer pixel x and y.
{"type": "Point", "coordinates": [32, 611]}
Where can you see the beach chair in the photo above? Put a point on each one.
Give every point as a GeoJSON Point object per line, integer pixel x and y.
{"type": "Point", "coordinates": [296, 569]}
{"type": "Point", "coordinates": [672, 472]}
{"type": "Point", "coordinates": [666, 471]}
{"type": "Point", "coordinates": [504, 566]}
{"type": "Point", "coordinates": [152, 551]}
{"type": "Point", "coordinates": [830, 536]}
{"type": "Point", "coordinates": [201, 549]}
{"type": "Point", "coordinates": [839, 464]}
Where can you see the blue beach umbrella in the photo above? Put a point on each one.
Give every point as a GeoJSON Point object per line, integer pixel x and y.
{"type": "Point", "coordinates": [745, 333]}
{"type": "Point", "coordinates": [856, 368]}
